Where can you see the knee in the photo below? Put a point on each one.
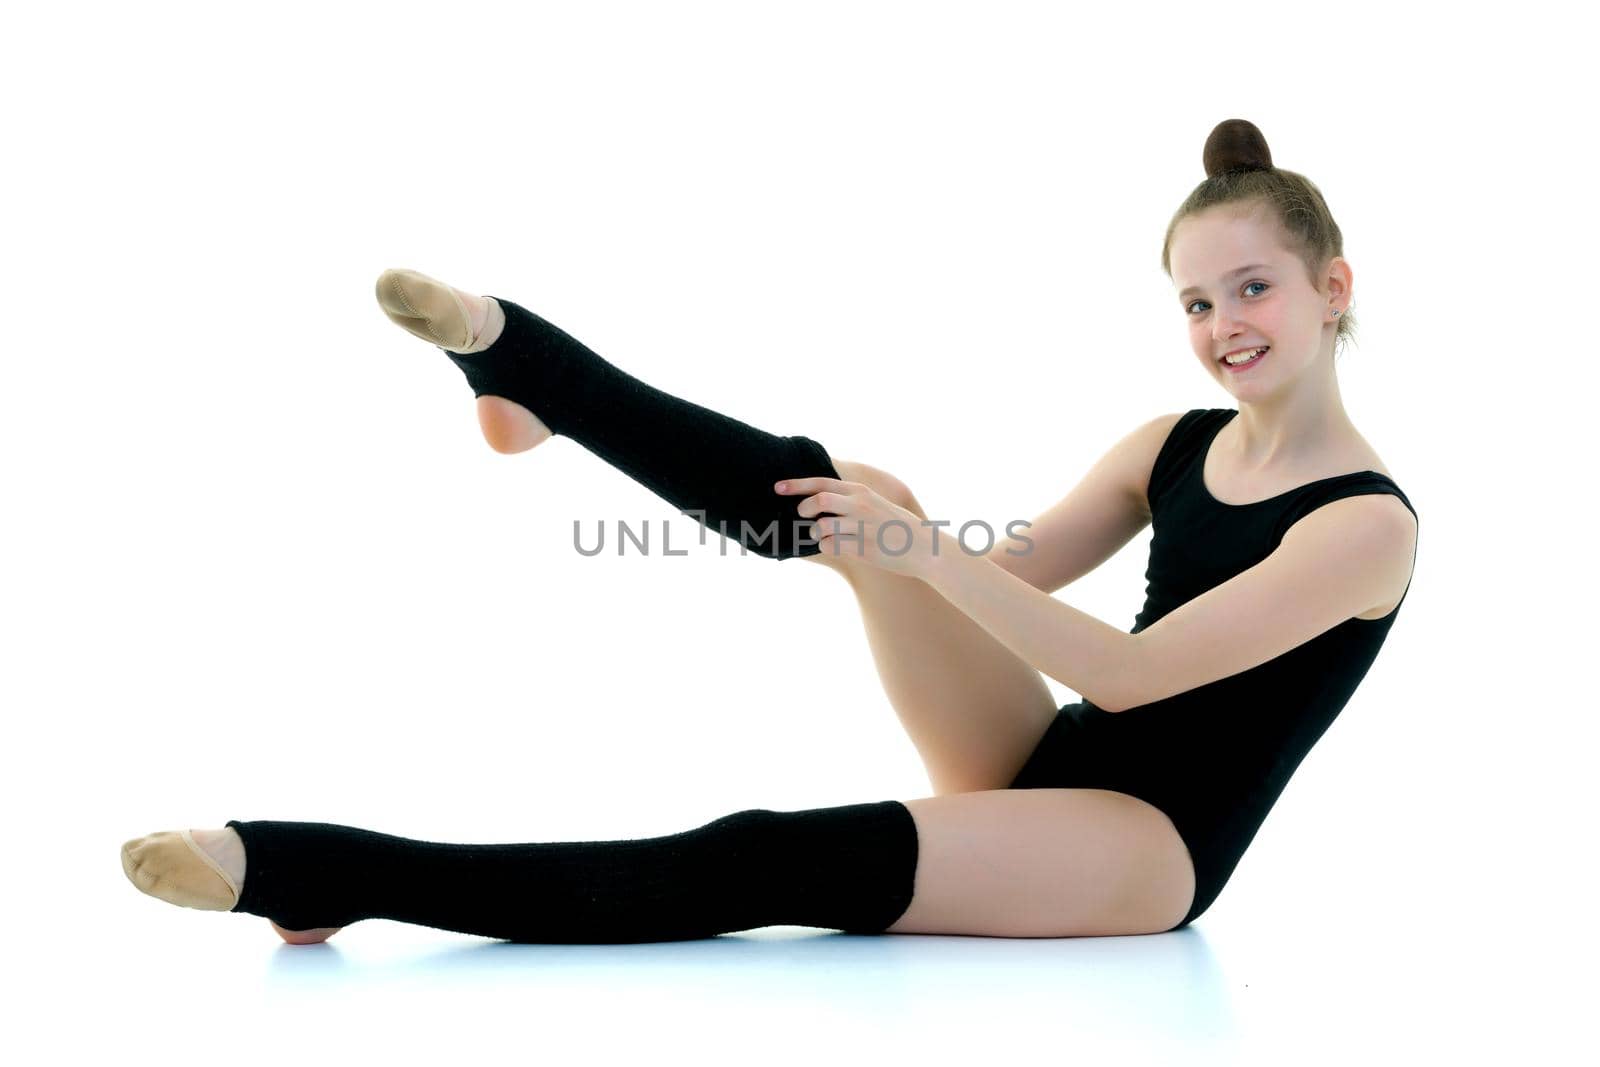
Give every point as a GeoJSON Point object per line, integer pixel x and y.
{"type": "Point", "coordinates": [881, 482]}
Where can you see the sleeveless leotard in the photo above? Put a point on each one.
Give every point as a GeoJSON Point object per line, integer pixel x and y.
{"type": "Point", "coordinates": [1215, 758]}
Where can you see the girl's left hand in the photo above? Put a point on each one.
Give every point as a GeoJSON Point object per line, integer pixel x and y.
{"type": "Point", "coordinates": [864, 525]}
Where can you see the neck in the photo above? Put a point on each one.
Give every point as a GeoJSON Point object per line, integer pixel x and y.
{"type": "Point", "coordinates": [1293, 428]}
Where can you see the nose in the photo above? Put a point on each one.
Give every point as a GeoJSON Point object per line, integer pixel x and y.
{"type": "Point", "coordinates": [1221, 324]}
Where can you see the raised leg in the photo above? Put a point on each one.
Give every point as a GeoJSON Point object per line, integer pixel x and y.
{"type": "Point", "coordinates": [973, 709]}
{"type": "Point", "coordinates": [705, 463]}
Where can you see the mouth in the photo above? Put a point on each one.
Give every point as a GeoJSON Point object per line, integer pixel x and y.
{"type": "Point", "coordinates": [1261, 353]}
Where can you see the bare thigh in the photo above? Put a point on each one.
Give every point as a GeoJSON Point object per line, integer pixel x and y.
{"type": "Point", "coordinates": [1046, 863]}
{"type": "Point", "coordinates": [973, 709]}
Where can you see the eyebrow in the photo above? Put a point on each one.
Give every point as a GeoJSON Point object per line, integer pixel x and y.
{"type": "Point", "coordinates": [1230, 274]}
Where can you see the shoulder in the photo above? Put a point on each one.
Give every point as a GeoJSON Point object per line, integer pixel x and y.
{"type": "Point", "coordinates": [1151, 436]}
{"type": "Point", "coordinates": [1377, 510]}
{"type": "Point", "coordinates": [1143, 448]}
{"type": "Point", "coordinates": [1351, 488]}
{"type": "Point", "coordinates": [1360, 454]}
{"type": "Point", "coordinates": [1137, 452]}
{"type": "Point", "coordinates": [1376, 526]}
{"type": "Point", "coordinates": [1177, 428]}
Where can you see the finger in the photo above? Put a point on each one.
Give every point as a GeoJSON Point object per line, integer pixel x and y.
{"type": "Point", "coordinates": [808, 485]}
{"type": "Point", "coordinates": [820, 503]}
{"type": "Point", "coordinates": [836, 542]}
{"type": "Point", "coordinates": [828, 541]}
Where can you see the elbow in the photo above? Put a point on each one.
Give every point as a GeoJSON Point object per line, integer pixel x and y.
{"type": "Point", "coordinates": [1126, 688]}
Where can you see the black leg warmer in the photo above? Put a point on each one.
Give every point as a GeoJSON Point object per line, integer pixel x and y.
{"type": "Point", "coordinates": [848, 868]}
{"type": "Point", "coordinates": [712, 467]}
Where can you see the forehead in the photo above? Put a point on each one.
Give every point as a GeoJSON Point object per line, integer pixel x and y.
{"type": "Point", "coordinates": [1212, 248]}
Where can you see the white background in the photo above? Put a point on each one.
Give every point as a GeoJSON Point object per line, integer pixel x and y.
{"type": "Point", "coordinates": [259, 563]}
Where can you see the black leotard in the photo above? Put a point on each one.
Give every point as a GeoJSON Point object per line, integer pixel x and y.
{"type": "Point", "coordinates": [1215, 758]}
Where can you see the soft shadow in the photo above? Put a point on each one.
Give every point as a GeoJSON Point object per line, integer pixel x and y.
{"type": "Point", "coordinates": [1160, 984]}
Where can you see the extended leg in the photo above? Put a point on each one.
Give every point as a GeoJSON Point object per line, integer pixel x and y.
{"type": "Point", "coordinates": [850, 868]}
{"type": "Point", "coordinates": [1003, 863]}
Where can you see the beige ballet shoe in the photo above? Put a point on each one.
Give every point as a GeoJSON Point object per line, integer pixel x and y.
{"type": "Point", "coordinates": [430, 309]}
{"type": "Point", "coordinates": [170, 866]}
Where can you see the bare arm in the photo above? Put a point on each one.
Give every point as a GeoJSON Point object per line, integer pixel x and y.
{"type": "Point", "coordinates": [1078, 650]}
{"type": "Point", "coordinates": [1102, 513]}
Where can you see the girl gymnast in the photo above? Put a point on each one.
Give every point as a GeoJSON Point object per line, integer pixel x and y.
{"type": "Point", "coordinates": [1280, 553]}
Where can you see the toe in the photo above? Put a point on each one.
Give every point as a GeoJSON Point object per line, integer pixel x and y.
{"type": "Point", "coordinates": [425, 307]}
{"type": "Point", "coordinates": [163, 866]}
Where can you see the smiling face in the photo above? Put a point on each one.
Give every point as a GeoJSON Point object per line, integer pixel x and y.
{"type": "Point", "coordinates": [1269, 303]}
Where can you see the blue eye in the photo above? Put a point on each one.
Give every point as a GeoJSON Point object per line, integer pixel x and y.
{"type": "Point", "coordinates": [1190, 309]}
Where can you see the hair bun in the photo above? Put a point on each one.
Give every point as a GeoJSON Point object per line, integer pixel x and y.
{"type": "Point", "coordinates": [1236, 145]}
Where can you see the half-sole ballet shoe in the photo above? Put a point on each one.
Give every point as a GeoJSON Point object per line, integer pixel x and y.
{"type": "Point", "coordinates": [170, 866]}
{"type": "Point", "coordinates": [428, 308]}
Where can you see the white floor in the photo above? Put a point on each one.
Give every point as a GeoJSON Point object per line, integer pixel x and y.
{"type": "Point", "coordinates": [148, 984]}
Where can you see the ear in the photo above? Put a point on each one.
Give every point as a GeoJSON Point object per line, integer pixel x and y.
{"type": "Point", "coordinates": [1339, 280]}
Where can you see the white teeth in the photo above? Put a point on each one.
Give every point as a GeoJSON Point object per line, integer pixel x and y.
{"type": "Point", "coordinates": [1244, 357]}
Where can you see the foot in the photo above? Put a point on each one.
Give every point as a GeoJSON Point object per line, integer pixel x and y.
{"type": "Point", "coordinates": [305, 937]}
{"type": "Point", "coordinates": [508, 426]}
{"type": "Point", "coordinates": [463, 323]}
{"type": "Point", "coordinates": [201, 869]}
